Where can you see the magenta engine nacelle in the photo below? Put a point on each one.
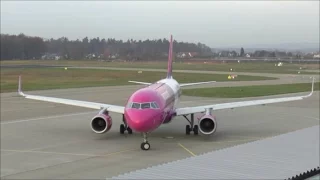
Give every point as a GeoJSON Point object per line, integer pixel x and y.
{"type": "Point", "coordinates": [101, 123]}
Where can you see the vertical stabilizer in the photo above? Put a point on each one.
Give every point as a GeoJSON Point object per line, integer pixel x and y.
{"type": "Point", "coordinates": [169, 72]}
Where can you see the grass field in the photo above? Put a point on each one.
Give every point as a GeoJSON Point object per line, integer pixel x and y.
{"type": "Point", "coordinates": [59, 78]}
{"type": "Point", "coordinates": [261, 67]}
{"type": "Point", "coordinates": [250, 91]}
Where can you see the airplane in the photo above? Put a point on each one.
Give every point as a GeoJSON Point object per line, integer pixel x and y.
{"type": "Point", "coordinates": [155, 105]}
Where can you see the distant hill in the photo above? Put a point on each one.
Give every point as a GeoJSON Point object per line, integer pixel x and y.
{"type": "Point", "coordinates": [302, 47]}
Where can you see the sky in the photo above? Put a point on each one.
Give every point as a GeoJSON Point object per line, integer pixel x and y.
{"type": "Point", "coordinates": [214, 23]}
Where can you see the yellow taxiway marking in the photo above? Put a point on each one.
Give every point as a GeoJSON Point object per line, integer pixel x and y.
{"type": "Point", "coordinates": [73, 154]}
{"type": "Point", "coordinates": [186, 149]}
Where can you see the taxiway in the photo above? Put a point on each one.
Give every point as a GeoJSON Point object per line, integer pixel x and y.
{"type": "Point", "coordinates": [42, 140]}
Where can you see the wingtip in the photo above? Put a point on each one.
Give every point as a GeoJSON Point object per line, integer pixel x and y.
{"type": "Point", "coordinates": [19, 87]}
{"type": "Point", "coordinates": [312, 87]}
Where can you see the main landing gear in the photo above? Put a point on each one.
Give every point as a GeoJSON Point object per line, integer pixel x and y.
{"type": "Point", "coordinates": [191, 127]}
{"type": "Point", "coordinates": [145, 145]}
{"type": "Point", "coordinates": [124, 127]}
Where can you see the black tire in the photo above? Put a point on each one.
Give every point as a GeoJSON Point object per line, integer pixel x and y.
{"type": "Point", "coordinates": [129, 130]}
{"type": "Point", "coordinates": [122, 129]}
{"type": "Point", "coordinates": [145, 146]}
{"type": "Point", "coordinates": [188, 129]}
{"type": "Point", "coordinates": [196, 129]}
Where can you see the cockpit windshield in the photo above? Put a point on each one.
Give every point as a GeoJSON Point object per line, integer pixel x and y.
{"type": "Point", "coordinates": [136, 105]}
{"type": "Point", "coordinates": [154, 105]}
{"type": "Point", "coordinates": [146, 105]}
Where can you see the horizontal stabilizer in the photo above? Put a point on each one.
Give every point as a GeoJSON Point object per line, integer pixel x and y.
{"type": "Point", "coordinates": [137, 82]}
{"type": "Point", "coordinates": [196, 83]}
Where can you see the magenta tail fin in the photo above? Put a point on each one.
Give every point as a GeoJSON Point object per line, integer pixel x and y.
{"type": "Point", "coordinates": [169, 72]}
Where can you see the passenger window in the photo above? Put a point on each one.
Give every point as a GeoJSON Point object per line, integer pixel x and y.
{"type": "Point", "coordinates": [136, 105]}
{"type": "Point", "coordinates": [145, 105]}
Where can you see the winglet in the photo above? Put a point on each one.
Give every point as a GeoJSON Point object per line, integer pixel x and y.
{"type": "Point", "coordinates": [312, 87]}
{"type": "Point", "coordinates": [19, 87]}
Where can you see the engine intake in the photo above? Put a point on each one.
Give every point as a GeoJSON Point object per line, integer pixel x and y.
{"type": "Point", "coordinates": [207, 124]}
{"type": "Point", "coordinates": [101, 123]}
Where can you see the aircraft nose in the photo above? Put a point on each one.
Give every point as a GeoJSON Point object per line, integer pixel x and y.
{"type": "Point", "coordinates": [141, 120]}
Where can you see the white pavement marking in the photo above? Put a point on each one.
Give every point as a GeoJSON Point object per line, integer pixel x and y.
{"type": "Point", "coordinates": [48, 117]}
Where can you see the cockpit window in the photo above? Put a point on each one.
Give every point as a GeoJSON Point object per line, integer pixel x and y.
{"type": "Point", "coordinates": [135, 105]}
{"type": "Point", "coordinates": [154, 105]}
{"type": "Point", "coordinates": [129, 105]}
{"type": "Point", "coordinates": [145, 106]}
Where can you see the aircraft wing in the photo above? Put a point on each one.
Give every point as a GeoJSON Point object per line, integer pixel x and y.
{"type": "Point", "coordinates": [86, 104]}
{"type": "Point", "coordinates": [196, 83]}
{"type": "Point", "coordinates": [181, 85]}
{"type": "Point", "coordinates": [201, 109]}
{"type": "Point", "coordinates": [138, 82]}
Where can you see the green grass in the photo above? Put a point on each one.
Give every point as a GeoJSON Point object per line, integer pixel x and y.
{"type": "Point", "coordinates": [260, 67]}
{"type": "Point", "coordinates": [250, 91]}
{"type": "Point", "coordinates": [58, 78]}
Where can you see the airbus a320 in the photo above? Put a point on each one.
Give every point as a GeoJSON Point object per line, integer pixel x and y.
{"type": "Point", "coordinates": [155, 105]}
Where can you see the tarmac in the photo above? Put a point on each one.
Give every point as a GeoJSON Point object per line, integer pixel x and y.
{"type": "Point", "coordinates": [42, 140]}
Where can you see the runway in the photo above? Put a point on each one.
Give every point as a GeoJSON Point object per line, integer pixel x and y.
{"type": "Point", "coordinates": [50, 141]}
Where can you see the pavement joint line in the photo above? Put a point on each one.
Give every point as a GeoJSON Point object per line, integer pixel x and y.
{"type": "Point", "coordinates": [73, 154]}
{"type": "Point", "coordinates": [46, 147]}
{"type": "Point", "coordinates": [249, 139]}
{"type": "Point", "coordinates": [307, 117]}
{"type": "Point", "coordinates": [45, 152]}
{"type": "Point", "coordinates": [190, 152]}
{"type": "Point", "coordinates": [42, 118]}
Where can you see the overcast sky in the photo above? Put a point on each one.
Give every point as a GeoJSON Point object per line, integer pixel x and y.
{"type": "Point", "coordinates": [215, 23]}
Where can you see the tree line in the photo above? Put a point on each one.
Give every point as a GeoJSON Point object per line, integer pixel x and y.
{"type": "Point", "coordinates": [25, 47]}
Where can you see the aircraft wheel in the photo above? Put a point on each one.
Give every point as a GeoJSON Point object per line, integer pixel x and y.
{"type": "Point", "coordinates": [122, 129]}
{"type": "Point", "coordinates": [145, 146]}
{"type": "Point", "coordinates": [196, 129]}
{"type": "Point", "coordinates": [129, 130]}
{"type": "Point", "coordinates": [188, 129]}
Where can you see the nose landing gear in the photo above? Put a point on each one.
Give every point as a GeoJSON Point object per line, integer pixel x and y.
{"type": "Point", "coordinates": [145, 145]}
